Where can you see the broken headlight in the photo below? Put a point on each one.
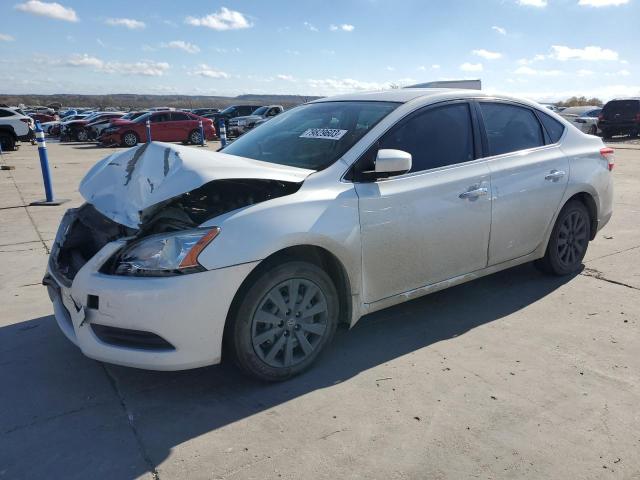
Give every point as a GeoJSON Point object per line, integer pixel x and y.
{"type": "Point", "coordinates": [166, 254]}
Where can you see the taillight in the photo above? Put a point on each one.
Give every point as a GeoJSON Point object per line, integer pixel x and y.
{"type": "Point", "coordinates": [608, 154]}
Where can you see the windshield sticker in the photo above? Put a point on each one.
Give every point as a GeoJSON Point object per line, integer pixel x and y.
{"type": "Point", "coordinates": [326, 133]}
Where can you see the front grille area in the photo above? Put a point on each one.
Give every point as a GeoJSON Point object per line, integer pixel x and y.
{"type": "Point", "coordinates": [124, 337]}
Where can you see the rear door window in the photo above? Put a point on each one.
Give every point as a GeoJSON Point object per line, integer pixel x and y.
{"type": "Point", "coordinates": [161, 117]}
{"type": "Point", "coordinates": [179, 116]}
{"type": "Point", "coordinates": [510, 128]}
{"type": "Point", "coordinates": [434, 137]}
{"type": "Point", "coordinates": [554, 128]}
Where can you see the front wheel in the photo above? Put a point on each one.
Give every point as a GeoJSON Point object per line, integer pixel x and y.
{"type": "Point", "coordinates": [286, 317]}
{"type": "Point", "coordinates": [129, 139]}
{"type": "Point", "coordinates": [82, 135]}
{"type": "Point", "coordinates": [569, 240]}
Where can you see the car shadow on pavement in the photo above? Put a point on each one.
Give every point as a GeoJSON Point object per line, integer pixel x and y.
{"type": "Point", "coordinates": [55, 383]}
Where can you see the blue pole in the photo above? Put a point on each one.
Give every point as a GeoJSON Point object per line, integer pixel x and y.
{"type": "Point", "coordinates": [148, 131]}
{"type": "Point", "coordinates": [203, 141]}
{"type": "Point", "coordinates": [44, 162]}
{"type": "Point", "coordinates": [46, 173]}
{"type": "Point", "coordinates": [223, 132]}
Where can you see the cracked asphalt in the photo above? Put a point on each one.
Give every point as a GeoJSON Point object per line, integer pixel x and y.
{"type": "Point", "coordinates": [516, 375]}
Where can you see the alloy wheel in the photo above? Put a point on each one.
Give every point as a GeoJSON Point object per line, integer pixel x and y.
{"type": "Point", "coordinates": [289, 323]}
{"type": "Point", "coordinates": [572, 238]}
{"type": "Point", "coordinates": [130, 139]}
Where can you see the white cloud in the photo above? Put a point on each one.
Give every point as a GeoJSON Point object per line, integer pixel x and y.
{"type": "Point", "coordinates": [422, 68]}
{"type": "Point", "coordinates": [46, 9]}
{"type": "Point", "coordinates": [205, 70]}
{"type": "Point", "coordinates": [435, 66]}
{"type": "Point", "coordinates": [390, 68]}
{"type": "Point", "coordinates": [345, 27]}
{"type": "Point", "coordinates": [529, 61]}
{"type": "Point", "coordinates": [287, 78]}
{"type": "Point", "coordinates": [144, 67]}
{"type": "Point", "coordinates": [591, 53]}
{"type": "Point", "coordinates": [310, 27]}
{"type": "Point", "coordinates": [471, 67]}
{"type": "Point", "coordinates": [6, 38]}
{"type": "Point", "coordinates": [182, 45]}
{"type": "Point", "coordinates": [619, 73]}
{"type": "Point", "coordinates": [329, 86]}
{"type": "Point", "coordinates": [486, 54]}
{"type": "Point", "coordinates": [533, 3]}
{"type": "Point", "coordinates": [530, 71]}
{"type": "Point", "coordinates": [584, 72]}
{"type": "Point", "coordinates": [224, 19]}
{"type": "Point", "coordinates": [602, 3]}
{"type": "Point", "coordinates": [129, 23]}
{"type": "Point", "coordinates": [500, 30]}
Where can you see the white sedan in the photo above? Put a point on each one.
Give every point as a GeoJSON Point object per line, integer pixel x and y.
{"type": "Point", "coordinates": [330, 211]}
{"type": "Point", "coordinates": [583, 118]}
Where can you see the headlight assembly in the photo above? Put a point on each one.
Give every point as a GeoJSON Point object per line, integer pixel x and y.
{"type": "Point", "coordinates": [165, 254]}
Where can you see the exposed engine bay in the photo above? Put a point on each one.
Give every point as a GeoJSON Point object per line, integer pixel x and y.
{"type": "Point", "coordinates": [86, 230]}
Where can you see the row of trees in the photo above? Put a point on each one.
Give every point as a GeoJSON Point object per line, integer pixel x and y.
{"type": "Point", "coordinates": [580, 102]}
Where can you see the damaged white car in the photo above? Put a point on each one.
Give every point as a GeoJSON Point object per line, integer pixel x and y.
{"type": "Point", "coordinates": [331, 210]}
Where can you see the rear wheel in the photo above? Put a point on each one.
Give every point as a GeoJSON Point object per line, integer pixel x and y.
{"type": "Point", "coordinates": [194, 137]}
{"type": "Point", "coordinates": [285, 319]}
{"type": "Point", "coordinates": [129, 139]}
{"type": "Point", "coordinates": [569, 240]}
{"type": "Point", "coordinates": [8, 142]}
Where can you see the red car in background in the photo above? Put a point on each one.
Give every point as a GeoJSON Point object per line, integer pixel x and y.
{"type": "Point", "coordinates": [43, 117]}
{"type": "Point", "coordinates": [166, 126]}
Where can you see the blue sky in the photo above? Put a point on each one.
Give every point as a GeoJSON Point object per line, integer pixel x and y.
{"type": "Point", "coordinates": [542, 49]}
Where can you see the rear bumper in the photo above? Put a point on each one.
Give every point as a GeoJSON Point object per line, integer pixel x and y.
{"type": "Point", "coordinates": [188, 312]}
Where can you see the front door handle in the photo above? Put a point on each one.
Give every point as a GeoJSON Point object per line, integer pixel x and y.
{"type": "Point", "coordinates": [474, 193]}
{"type": "Point", "coordinates": [555, 175]}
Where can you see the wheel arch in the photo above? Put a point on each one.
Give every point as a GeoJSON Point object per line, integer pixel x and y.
{"type": "Point", "coordinates": [589, 202]}
{"type": "Point", "coordinates": [314, 254]}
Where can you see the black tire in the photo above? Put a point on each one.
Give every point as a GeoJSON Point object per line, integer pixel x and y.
{"type": "Point", "coordinates": [245, 333]}
{"type": "Point", "coordinates": [130, 139]}
{"type": "Point", "coordinates": [194, 137]}
{"type": "Point", "coordinates": [8, 142]}
{"type": "Point", "coordinates": [82, 135]}
{"type": "Point", "coordinates": [568, 242]}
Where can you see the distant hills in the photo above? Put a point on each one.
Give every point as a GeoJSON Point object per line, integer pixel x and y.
{"type": "Point", "coordinates": [125, 100]}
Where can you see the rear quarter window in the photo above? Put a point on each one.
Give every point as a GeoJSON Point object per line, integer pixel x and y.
{"type": "Point", "coordinates": [554, 128]}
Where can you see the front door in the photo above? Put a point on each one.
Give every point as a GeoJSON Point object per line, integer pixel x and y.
{"type": "Point", "coordinates": [432, 223]}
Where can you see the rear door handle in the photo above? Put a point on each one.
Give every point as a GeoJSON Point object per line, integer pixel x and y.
{"type": "Point", "coordinates": [474, 193]}
{"type": "Point", "coordinates": [554, 175]}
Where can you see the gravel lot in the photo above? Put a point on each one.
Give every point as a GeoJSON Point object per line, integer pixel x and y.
{"type": "Point", "coordinates": [516, 375]}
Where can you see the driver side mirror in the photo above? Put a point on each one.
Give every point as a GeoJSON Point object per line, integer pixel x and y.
{"type": "Point", "coordinates": [391, 162]}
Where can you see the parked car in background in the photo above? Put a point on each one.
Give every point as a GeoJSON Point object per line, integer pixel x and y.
{"type": "Point", "coordinates": [75, 129]}
{"type": "Point", "coordinates": [584, 118]}
{"type": "Point", "coordinates": [14, 127]}
{"type": "Point", "coordinates": [232, 112]}
{"type": "Point", "coordinates": [204, 111]}
{"type": "Point", "coordinates": [43, 117]}
{"type": "Point", "coordinates": [166, 126]}
{"type": "Point", "coordinates": [241, 125]}
{"type": "Point", "coordinates": [99, 127]}
{"type": "Point", "coordinates": [95, 128]}
{"type": "Point", "coordinates": [53, 128]}
{"type": "Point", "coordinates": [328, 212]}
{"type": "Point", "coordinates": [620, 117]}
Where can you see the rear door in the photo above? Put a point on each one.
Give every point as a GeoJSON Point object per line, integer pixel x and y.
{"type": "Point", "coordinates": [181, 125]}
{"type": "Point", "coordinates": [432, 223]}
{"type": "Point", "coordinates": [529, 174]}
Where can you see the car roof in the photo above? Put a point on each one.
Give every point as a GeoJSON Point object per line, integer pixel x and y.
{"type": "Point", "coordinates": [404, 95]}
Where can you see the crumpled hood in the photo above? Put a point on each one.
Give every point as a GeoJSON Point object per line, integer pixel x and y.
{"type": "Point", "coordinates": [124, 184]}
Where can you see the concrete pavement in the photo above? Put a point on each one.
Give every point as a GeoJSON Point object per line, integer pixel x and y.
{"type": "Point", "coordinates": [516, 375]}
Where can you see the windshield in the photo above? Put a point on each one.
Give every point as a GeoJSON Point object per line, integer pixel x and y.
{"type": "Point", "coordinates": [311, 136]}
{"type": "Point", "coordinates": [259, 111]}
{"type": "Point", "coordinates": [228, 110]}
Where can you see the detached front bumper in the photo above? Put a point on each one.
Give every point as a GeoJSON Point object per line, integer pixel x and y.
{"type": "Point", "coordinates": [159, 323]}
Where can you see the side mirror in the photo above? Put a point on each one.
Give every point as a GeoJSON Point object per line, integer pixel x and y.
{"type": "Point", "coordinates": [392, 162]}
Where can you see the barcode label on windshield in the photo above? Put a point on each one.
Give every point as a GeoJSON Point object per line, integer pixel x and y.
{"type": "Point", "coordinates": [326, 133]}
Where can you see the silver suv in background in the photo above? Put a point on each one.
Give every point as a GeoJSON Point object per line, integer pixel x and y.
{"type": "Point", "coordinates": [241, 125]}
{"type": "Point", "coordinates": [330, 211]}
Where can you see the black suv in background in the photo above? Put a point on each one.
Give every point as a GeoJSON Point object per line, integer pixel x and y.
{"type": "Point", "coordinates": [231, 112]}
{"type": "Point", "coordinates": [620, 117]}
